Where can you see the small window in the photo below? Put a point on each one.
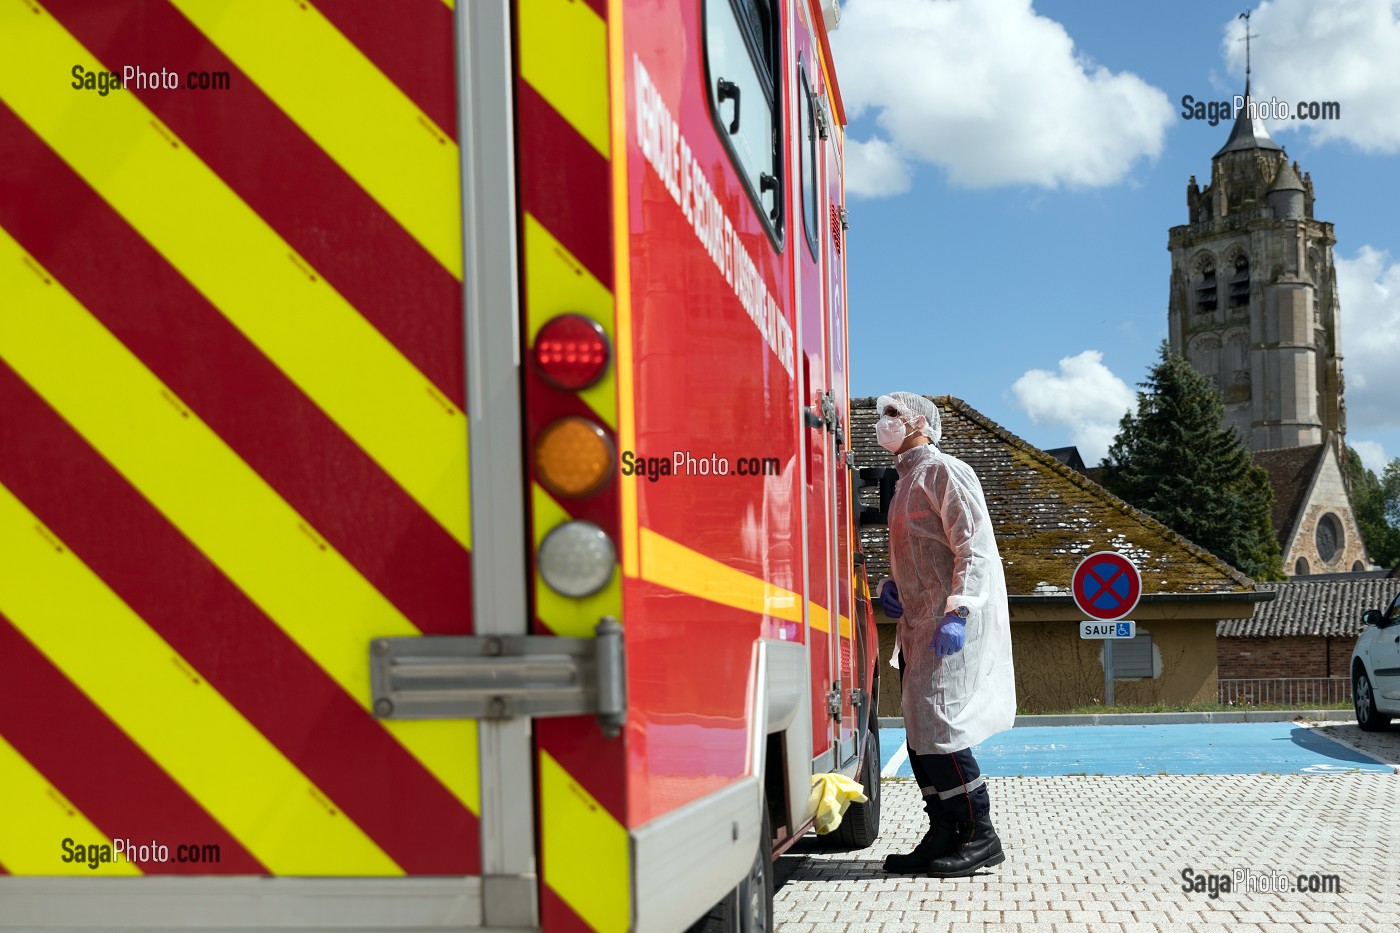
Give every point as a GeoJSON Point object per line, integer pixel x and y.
{"type": "Point", "coordinates": [1239, 284]}
{"type": "Point", "coordinates": [1205, 291]}
{"type": "Point", "coordinates": [807, 144]}
{"type": "Point", "coordinates": [741, 57]}
{"type": "Point", "coordinates": [1300, 569]}
{"type": "Point", "coordinates": [1132, 657]}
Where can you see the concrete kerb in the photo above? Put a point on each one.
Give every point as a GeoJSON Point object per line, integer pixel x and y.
{"type": "Point", "coordinates": [1159, 719]}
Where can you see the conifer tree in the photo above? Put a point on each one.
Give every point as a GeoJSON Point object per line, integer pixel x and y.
{"type": "Point", "coordinates": [1178, 461]}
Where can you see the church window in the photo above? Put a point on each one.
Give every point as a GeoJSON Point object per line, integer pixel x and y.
{"type": "Point", "coordinates": [1239, 284]}
{"type": "Point", "coordinates": [1329, 537]}
{"type": "Point", "coordinates": [1300, 569]}
{"type": "Point", "coordinates": [1205, 290]}
{"type": "Point", "coordinates": [1357, 567]}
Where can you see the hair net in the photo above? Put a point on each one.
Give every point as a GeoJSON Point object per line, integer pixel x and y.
{"type": "Point", "coordinates": [912, 406]}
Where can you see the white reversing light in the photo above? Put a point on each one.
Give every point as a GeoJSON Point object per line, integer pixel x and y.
{"type": "Point", "coordinates": [577, 559]}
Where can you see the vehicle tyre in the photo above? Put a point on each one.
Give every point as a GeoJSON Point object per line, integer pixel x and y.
{"type": "Point", "coordinates": [755, 892]}
{"type": "Point", "coordinates": [749, 907]}
{"type": "Point", "coordinates": [861, 823]}
{"type": "Point", "coordinates": [1363, 697]}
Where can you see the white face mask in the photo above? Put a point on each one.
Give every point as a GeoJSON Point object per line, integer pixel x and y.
{"type": "Point", "coordinates": [891, 432]}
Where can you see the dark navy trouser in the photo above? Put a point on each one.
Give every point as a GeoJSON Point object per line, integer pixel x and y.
{"type": "Point", "coordinates": [952, 783]}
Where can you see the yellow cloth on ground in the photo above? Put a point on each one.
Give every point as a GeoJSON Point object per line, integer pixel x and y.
{"type": "Point", "coordinates": [831, 795]}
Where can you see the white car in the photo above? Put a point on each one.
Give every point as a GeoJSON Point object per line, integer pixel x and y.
{"type": "Point", "coordinates": [1375, 668]}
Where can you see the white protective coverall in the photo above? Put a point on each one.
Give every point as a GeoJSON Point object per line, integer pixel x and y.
{"type": "Point", "coordinates": [943, 555]}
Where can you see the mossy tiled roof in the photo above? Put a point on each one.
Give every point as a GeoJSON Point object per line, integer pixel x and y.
{"type": "Point", "coordinates": [1047, 516]}
{"type": "Point", "coordinates": [1290, 472]}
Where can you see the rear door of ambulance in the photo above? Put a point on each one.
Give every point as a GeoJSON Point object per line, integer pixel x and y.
{"type": "Point", "coordinates": [849, 661]}
{"type": "Point", "coordinates": [234, 455]}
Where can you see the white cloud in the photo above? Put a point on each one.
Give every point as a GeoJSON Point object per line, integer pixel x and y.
{"type": "Point", "coordinates": [1372, 454]}
{"type": "Point", "coordinates": [1327, 50]}
{"type": "Point", "coordinates": [991, 91]}
{"type": "Point", "coordinates": [874, 169]}
{"type": "Point", "coordinates": [1368, 287]}
{"type": "Point", "coordinates": [1084, 396]}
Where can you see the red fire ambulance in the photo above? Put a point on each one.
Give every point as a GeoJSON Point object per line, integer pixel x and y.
{"type": "Point", "coordinates": [425, 499]}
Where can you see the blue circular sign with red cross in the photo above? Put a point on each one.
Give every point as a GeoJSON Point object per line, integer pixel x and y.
{"type": "Point", "coordinates": [1106, 586]}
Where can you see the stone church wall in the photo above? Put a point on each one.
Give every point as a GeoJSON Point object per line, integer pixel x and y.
{"type": "Point", "coordinates": [1327, 522]}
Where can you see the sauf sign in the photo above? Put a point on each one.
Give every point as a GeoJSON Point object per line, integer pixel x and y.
{"type": "Point", "coordinates": [1105, 630]}
{"type": "Point", "coordinates": [1106, 587]}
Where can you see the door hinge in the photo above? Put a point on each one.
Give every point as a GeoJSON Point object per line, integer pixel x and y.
{"type": "Point", "coordinates": [845, 219]}
{"type": "Point", "coordinates": [501, 676]}
{"type": "Point", "coordinates": [833, 700]}
{"type": "Point", "coordinates": [857, 697]}
{"type": "Point", "coordinates": [822, 129]}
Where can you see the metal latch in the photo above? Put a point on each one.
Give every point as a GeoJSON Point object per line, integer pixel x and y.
{"type": "Point", "coordinates": [501, 676]}
{"type": "Point", "coordinates": [832, 419]}
{"type": "Point", "coordinates": [833, 701]}
{"type": "Point", "coordinates": [845, 219]}
{"type": "Point", "coordinates": [822, 131]}
{"type": "Point", "coordinates": [857, 697]}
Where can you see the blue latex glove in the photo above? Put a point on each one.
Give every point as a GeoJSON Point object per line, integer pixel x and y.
{"type": "Point", "coordinates": [889, 600]}
{"type": "Point", "coordinates": [951, 635]}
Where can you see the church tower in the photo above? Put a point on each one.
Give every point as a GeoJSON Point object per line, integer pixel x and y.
{"type": "Point", "coordinates": [1253, 308]}
{"type": "Point", "coordinates": [1253, 301]}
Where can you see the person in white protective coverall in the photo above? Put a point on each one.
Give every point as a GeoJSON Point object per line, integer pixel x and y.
{"type": "Point", "coordinates": [954, 637]}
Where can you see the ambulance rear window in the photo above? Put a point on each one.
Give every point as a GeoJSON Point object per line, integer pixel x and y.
{"type": "Point", "coordinates": [741, 66]}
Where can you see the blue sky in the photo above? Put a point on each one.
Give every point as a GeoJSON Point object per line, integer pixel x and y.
{"type": "Point", "coordinates": [1014, 168]}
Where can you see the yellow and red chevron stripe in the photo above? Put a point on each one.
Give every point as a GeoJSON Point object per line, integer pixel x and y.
{"type": "Point", "coordinates": [233, 448]}
{"type": "Point", "coordinates": [564, 145]}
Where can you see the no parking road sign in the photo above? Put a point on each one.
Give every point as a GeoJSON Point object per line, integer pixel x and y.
{"type": "Point", "coordinates": [1106, 586]}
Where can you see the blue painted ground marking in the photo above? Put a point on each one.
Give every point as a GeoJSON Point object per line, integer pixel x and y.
{"type": "Point", "coordinates": [1205, 748]}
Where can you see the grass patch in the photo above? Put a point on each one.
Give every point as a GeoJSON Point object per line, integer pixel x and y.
{"type": "Point", "coordinates": [1175, 708]}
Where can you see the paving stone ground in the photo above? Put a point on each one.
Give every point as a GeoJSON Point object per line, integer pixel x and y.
{"type": "Point", "coordinates": [1098, 854]}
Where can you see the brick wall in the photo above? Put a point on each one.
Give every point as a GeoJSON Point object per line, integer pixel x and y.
{"type": "Point", "coordinates": [1296, 656]}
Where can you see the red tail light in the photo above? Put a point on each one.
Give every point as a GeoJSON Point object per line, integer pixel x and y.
{"type": "Point", "coordinates": [572, 352]}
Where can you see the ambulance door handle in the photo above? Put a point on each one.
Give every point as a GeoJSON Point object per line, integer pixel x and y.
{"type": "Point", "coordinates": [728, 90]}
{"type": "Point", "coordinates": [767, 183]}
{"type": "Point", "coordinates": [814, 420]}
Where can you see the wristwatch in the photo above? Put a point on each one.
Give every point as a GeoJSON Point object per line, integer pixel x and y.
{"type": "Point", "coordinates": [962, 612]}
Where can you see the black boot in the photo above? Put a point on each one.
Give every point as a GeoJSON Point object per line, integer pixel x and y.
{"type": "Point", "coordinates": [943, 836]}
{"type": "Point", "coordinates": [981, 850]}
